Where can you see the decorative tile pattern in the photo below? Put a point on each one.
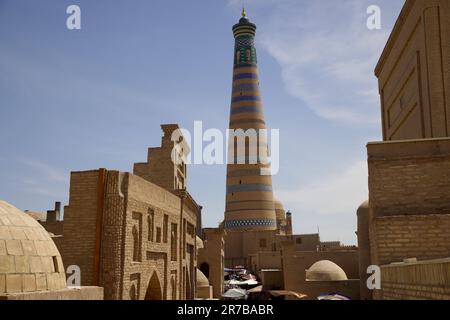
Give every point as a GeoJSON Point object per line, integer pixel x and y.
{"type": "Point", "coordinates": [236, 224]}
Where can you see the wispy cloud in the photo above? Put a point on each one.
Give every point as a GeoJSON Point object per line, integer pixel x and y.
{"type": "Point", "coordinates": [44, 170]}
{"type": "Point", "coordinates": [339, 194]}
{"type": "Point", "coordinates": [327, 55]}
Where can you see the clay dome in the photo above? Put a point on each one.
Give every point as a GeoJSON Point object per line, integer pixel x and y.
{"type": "Point", "coordinates": [202, 280]}
{"type": "Point", "coordinates": [363, 208]}
{"type": "Point", "coordinates": [279, 210]}
{"type": "Point", "coordinates": [325, 270]}
{"type": "Point", "coordinates": [29, 259]}
{"type": "Point", "coordinates": [278, 205]}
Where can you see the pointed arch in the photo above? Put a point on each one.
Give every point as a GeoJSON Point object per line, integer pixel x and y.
{"type": "Point", "coordinates": [154, 291]}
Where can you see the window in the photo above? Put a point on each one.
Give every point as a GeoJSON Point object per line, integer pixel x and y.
{"type": "Point", "coordinates": [151, 222]}
{"type": "Point", "coordinates": [136, 251]}
{"type": "Point", "coordinates": [133, 295]}
{"type": "Point", "coordinates": [262, 243]}
{"type": "Point", "coordinates": [173, 241]}
{"type": "Point", "coordinates": [55, 263]}
{"type": "Point", "coordinates": [165, 227]}
{"type": "Point", "coordinates": [190, 230]}
{"type": "Point", "coordinates": [298, 241]}
{"type": "Point", "coordinates": [184, 238]}
{"type": "Point", "coordinates": [158, 234]}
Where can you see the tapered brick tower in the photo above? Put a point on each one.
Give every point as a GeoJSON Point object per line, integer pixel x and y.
{"type": "Point", "coordinates": [249, 197]}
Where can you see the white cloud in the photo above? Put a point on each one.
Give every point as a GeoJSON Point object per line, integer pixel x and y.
{"type": "Point", "coordinates": [340, 193]}
{"type": "Point", "coordinates": [327, 55]}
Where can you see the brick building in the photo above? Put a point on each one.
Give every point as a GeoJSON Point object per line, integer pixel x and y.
{"type": "Point", "coordinates": [135, 234]}
{"type": "Point", "coordinates": [404, 227]}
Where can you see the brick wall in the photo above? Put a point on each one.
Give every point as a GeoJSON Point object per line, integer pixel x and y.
{"type": "Point", "coordinates": [414, 73]}
{"type": "Point", "coordinates": [213, 255]}
{"type": "Point", "coordinates": [159, 168]}
{"type": "Point", "coordinates": [113, 234]}
{"type": "Point", "coordinates": [399, 237]}
{"type": "Point", "coordinates": [98, 233]}
{"type": "Point", "coordinates": [78, 244]}
{"type": "Point", "coordinates": [423, 280]}
{"type": "Point", "coordinates": [409, 192]}
{"type": "Point", "coordinates": [409, 177]}
{"type": "Point", "coordinates": [55, 227]}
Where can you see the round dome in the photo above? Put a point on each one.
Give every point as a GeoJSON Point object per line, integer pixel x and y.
{"type": "Point", "coordinates": [278, 205]}
{"type": "Point", "coordinates": [29, 259]}
{"type": "Point", "coordinates": [202, 280]}
{"type": "Point", "coordinates": [279, 210]}
{"type": "Point", "coordinates": [325, 270]}
{"type": "Point", "coordinates": [363, 208]}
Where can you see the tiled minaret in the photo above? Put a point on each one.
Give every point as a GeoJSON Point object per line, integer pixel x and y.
{"type": "Point", "coordinates": [249, 198]}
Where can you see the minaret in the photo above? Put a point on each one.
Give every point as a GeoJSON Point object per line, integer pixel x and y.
{"type": "Point", "coordinates": [249, 197]}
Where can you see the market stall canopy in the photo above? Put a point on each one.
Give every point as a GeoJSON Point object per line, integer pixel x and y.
{"type": "Point", "coordinates": [278, 293]}
{"type": "Point", "coordinates": [235, 293]}
{"type": "Point", "coordinates": [255, 289]}
{"type": "Point", "coordinates": [332, 296]}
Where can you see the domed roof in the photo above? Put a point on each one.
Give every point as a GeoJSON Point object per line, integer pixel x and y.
{"type": "Point", "coordinates": [29, 259]}
{"type": "Point", "coordinates": [279, 210]}
{"type": "Point", "coordinates": [278, 205]}
{"type": "Point", "coordinates": [363, 208]}
{"type": "Point", "coordinates": [202, 280]}
{"type": "Point", "coordinates": [325, 270]}
{"type": "Point", "coordinates": [364, 205]}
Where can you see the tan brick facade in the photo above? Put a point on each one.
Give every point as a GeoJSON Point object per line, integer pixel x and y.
{"type": "Point", "coordinates": [211, 258]}
{"type": "Point", "coordinates": [409, 199]}
{"type": "Point", "coordinates": [131, 236]}
{"type": "Point", "coordinates": [423, 237]}
{"type": "Point", "coordinates": [414, 73]}
{"type": "Point", "coordinates": [428, 280]}
{"type": "Point", "coordinates": [408, 213]}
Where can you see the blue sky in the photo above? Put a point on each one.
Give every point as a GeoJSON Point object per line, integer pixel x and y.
{"type": "Point", "coordinates": [79, 100]}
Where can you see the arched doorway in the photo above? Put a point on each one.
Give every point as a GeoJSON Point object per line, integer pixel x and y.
{"type": "Point", "coordinates": [154, 291]}
{"type": "Point", "coordinates": [204, 268]}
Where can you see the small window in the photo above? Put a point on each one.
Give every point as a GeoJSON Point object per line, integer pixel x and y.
{"type": "Point", "coordinates": [298, 240]}
{"type": "Point", "coordinates": [158, 234]}
{"type": "Point", "coordinates": [165, 228]}
{"type": "Point", "coordinates": [55, 264]}
{"type": "Point", "coordinates": [150, 222]}
{"type": "Point", "coordinates": [136, 248]}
